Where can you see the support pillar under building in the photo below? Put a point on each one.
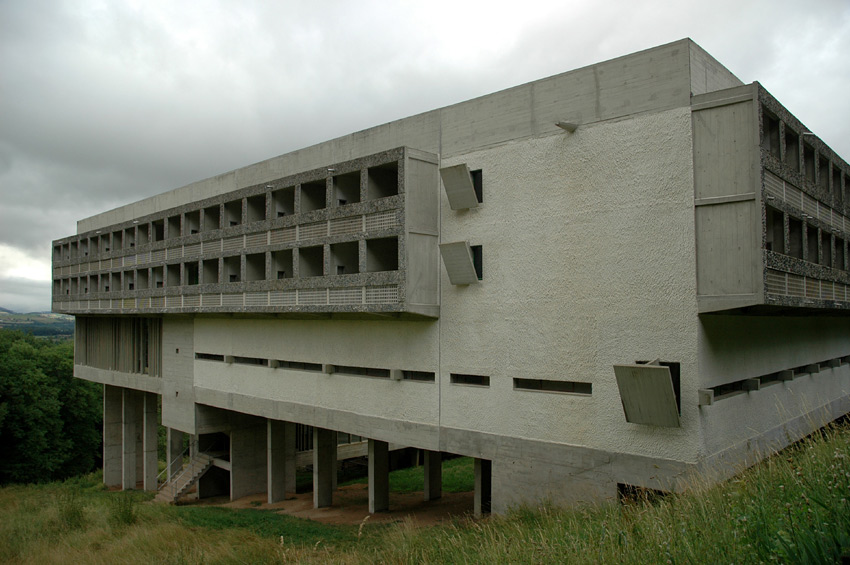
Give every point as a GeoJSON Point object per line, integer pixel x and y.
{"type": "Point", "coordinates": [379, 476]}
{"type": "Point", "coordinates": [150, 426]}
{"type": "Point", "coordinates": [483, 469]}
{"type": "Point", "coordinates": [129, 438]}
{"type": "Point", "coordinates": [324, 467]}
{"type": "Point", "coordinates": [281, 460]}
{"type": "Point", "coordinates": [433, 475]}
{"type": "Point", "coordinates": [112, 436]}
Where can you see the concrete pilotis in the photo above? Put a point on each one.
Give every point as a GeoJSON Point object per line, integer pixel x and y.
{"type": "Point", "coordinates": [433, 475]}
{"type": "Point", "coordinates": [379, 476]}
{"type": "Point", "coordinates": [483, 469]}
{"type": "Point", "coordinates": [281, 460]}
{"type": "Point", "coordinates": [129, 419]}
{"type": "Point", "coordinates": [112, 436]}
{"type": "Point", "coordinates": [324, 466]}
{"type": "Point", "coordinates": [149, 435]}
{"type": "Point", "coordinates": [248, 463]}
{"type": "Point", "coordinates": [174, 447]}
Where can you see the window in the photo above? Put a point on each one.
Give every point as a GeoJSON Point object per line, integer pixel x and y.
{"type": "Point", "coordinates": [472, 380]}
{"type": "Point", "coordinates": [775, 237]}
{"type": "Point", "coordinates": [477, 260]}
{"type": "Point", "coordinates": [313, 196]}
{"type": "Point", "coordinates": [311, 261]}
{"type": "Point", "coordinates": [344, 258]}
{"type": "Point", "coordinates": [256, 208]}
{"type": "Point", "coordinates": [212, 218]}
{"type": "Point", "coordinates": [347, 188]}
{"type": "Point", "coordinates": [362, 371]}
{"type": "Point", "coordinates": [545, 385]}
{"type": "Point", "coordinates": [460, 187]}
{"type": "Point", "coordinates": [382, 254]}
{"type": "Point", "coordinates": [382, 181]}
{"type": "Point", "coordinates": [233, 213]}
{"type": "Point", "coordinates": [792, 149]}
{"type": "Point", "coordinates": [770, 134]}
{"type": "Point", "coordinates": [283, 202]}
{"type": "Point", "coordinates": [419, 376]}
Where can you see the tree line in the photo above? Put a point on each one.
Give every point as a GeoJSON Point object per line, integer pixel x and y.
{"type": "Point", "coordinates": [50, 422]}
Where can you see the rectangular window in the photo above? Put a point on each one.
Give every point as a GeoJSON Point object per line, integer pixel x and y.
{"type": "Point", "coordinates": [473, 380]}
{"type": "Point", "coordinates": [299, 366]}
{"type": "Point", "coordinates": [809, 162]}
{"type": "Point", "coordinates": [544, 385]}
{"type": "Point", "coordinates": [362, 371]}
{"type": "Point", "coordinates": [478, 184]}
{"type": "Point", "coordinates": [478, 260]}
{"type": "Point", "coordinates": [250, 361]}
{"type": "Point", "coordinates": [209, 357]}
{"type": "Point", "coordinates": [775, 236]}
{"type": "Point", "coordinates": [795, 238]}
{"type": "Point", "coordinates": [419, 376]}
{"type": "Point", "coordinates": [313, 196]}
{"type": "Point", "coordinates": [770, 135]}
{"type": "Point", "coordinates": [792, 149]}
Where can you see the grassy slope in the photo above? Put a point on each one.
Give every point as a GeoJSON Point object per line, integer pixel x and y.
{"type": "Point", "coordinates": [792, 508]}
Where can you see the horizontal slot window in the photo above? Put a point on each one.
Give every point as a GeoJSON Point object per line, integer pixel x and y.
{"type": "Point", "coordinates": [419, 376]}
{"type": "Point", "coordinates": [474, 380]}
{"type": "Point", "coordinates": [298, 365]}
{"type": "Point", "coordinates": [362, 371]}
{"type": "Point", "coordinates": [209, 357]}
{"type": "Point", "coordinates": [543, 385]}
{"type": "Point", "coordinates": [250, 361]}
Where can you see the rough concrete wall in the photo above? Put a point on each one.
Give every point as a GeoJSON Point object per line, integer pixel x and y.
{"type": "Point", "coordinates": [178, 353]}
{"type": "Point", "coordinates": [588, 245]}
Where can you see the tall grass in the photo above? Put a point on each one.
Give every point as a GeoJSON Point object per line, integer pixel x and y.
{"type": "Point", "coordinates": [792, 508]}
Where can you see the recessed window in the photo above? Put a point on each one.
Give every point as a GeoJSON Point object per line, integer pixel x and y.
{"type": "Point", "coordinates": [770, 134]}
{"type": "Point", "coordinates": [792, 149]}
{"type": "Point", "coordinates": [478, 260]}
{"type": "Point", "coordinates": [142, 279]}
{"type": "Point", "coordinates": [255, 267]}
{"type": "Point", "coordinates": [172, 275]}
{"type": "Point", "coordinates": [210, 267]}
{"type": "Point", "coordinates": [193, 273]}
{"type": "Point", "coordinates": [812, 240]}
{"type": "Point", "coordinates": [256, 361]}
{"type": "Point", "coordinates": [232, 269]}
{"type": "Point", "coordinates": [544, 385]}
{"type": "Point", "coordinates": [347, 188]}
{"type": "Point", "coordinates": [283, 202]}
{"type": "Point", "coordinates": [173, 227]}
{"type": "Point", "coordinates": [313, 196]}
{"type": "Point", "coordinates": [478, 184]}
{"type": "Point", "coordinates": [158, 227]}
{"type": "Point", "coordinates": [143, 238]}
{"type": "Point", "coordinates": [419, 376]}
{"type": "Point", "coordinates": [193, 222]}
{"type": "Point", "coordinates": [209, 357]}
{"type": "Point", "coordinates": [233, 213]}
{"type": "Point", "coordinates": [382, 181]}
{"type": "Point", "coordinates": [775, 233]}
{"type": "Point", "coordinates": [839, 254]}
{"type": "Point", "coordinates": [362, 371]}
{"type": "Point", "coordinates": [809, 162]}
{"type": "Point", "coordinates": [116, 239]}
{"type": "Point", "coordinates": [311, 261]}
{"type": "Point", "coordinates": [212, 218]}
{"type": "Point", "coordinates": [382, 254]}
{"type": "Point", "coordinates": [823, 173]}
{"type": "Point", "coordinates": [298, 365]}
{"type": "Point", "coordinates": [795, 238]}
{"type": "Point", "coordinates": [825, 249]}
{"type": "Point", "coordinates": [345, 258]}
{"type": "Point", "coordinates": [473, 380]}
{"type": "Point", "coordinates": [256, 208]}
{"type": "Point", "coordinates": [836, 184]}
{"type": "Point", "coordinates": [282, 264]}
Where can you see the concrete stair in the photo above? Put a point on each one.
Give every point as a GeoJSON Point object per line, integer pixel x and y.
{"type": "Point", "coordinates": [171, 491]}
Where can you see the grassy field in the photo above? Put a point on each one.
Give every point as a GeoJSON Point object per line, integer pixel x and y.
{"type": "Point", "coordinates": [793, 508]}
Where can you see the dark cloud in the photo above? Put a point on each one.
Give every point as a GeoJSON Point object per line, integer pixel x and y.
{"type": "Point", "coordinates": [24, 295]}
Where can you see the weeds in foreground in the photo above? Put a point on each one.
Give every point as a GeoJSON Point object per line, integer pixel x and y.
{"type": "Point", "coordinates": [122, 509]}
{"type": "Point", "coordinates": [71, 510]}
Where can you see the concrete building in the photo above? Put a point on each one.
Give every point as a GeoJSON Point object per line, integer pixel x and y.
{"type": "Point", "coordinates": [611, 277]}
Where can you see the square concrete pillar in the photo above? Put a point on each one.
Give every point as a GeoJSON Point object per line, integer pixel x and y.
{"type": "Point", "coordinates": [483, 469]}
{"type": "Point", "coordinates": [379, 476]}
{"type": "Point", "coordinates": [281, 460]}
{"type": "Point", "coordinates": [112, 435]}
{"type": "Point", "coordinates": [150, 426]}
{"type": "Point", "coordinates": [248, 462]}
{"type": "Point", "coordinates": [129, 438]}
{"type": "Point", "coordinates": [324, 467]}
{"type": "Point", "coordinates": [433, 475]}
{"type": "Point", "coordinates": [174, 447]}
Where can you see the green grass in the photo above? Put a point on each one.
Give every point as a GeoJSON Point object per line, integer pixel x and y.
{"type": "Point", "coordinates": [792, 508]}
{"type": "Point", "coordinates": [457, 477]}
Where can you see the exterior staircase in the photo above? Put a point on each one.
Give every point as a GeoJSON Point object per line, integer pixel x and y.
{"type": "Point", "coordinates": [178, 486]}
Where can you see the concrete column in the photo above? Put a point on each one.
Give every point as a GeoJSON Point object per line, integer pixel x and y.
{"type": "Point", "coordinates": [483, 469]}
{"type": "Point", "coordinates": [379, 476]}
{"type": "Point", "coordinates": [174, 448]}
{"type": "Point", "coordinates": [149, 441]}
{"type": "Point", "coordinates": [112, 435]}
{"type": "Point", "coordinates": [433, 475]}
{"type": "Point", "coordinates": [248, 463]}
{"type": "Point", "coordinates": [281, 460]}
{"type": "Point", "coordinates": [324, 467]}
{"type": "Point", "coordinates": [129, 418]}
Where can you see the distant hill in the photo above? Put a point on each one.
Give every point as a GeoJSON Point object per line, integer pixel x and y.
{"type": "Point", "coordinates": [44, 324]}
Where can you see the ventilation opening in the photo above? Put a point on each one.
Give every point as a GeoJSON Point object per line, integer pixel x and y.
{"type": "Point", "coordinates": [212, 218]}
{"type": "Point", "coordinates": [193, 275]}
{"type": "Point", "coordinates": [193, 222]}
{"type": "Point", "coordinates": [311, 261]}
{"type": "Point", "coordinates": [255, 267]}
{"type": "Point", "coordinates": [313, 196]}
{"type": "Point", "coordinates": [232, 269]}
{"type": "Point", "coordinates": [282, 264]}
{"type": "Point", "coordinates": [478, 260]}
{"type": "Point", "coordinates": [473, 380]}
{"type": "Point", "coordinates": [775, 236]}
{"type": "Point", "coordinates": [382, 254]}
{"type": "Point", "coordinates": [250, 361]}
{"type": "Point", "coordinates": [795, 238]}
{"type": "Point", "coordinates": [477, 184]}
{"type": "Point", "coordinates": [382, 181]}
{"type": "Point", "coordinates": [344, 258]}
{"type": "Point", "coordinates": [346, 188]}
{"type": "Point", "coordinates": [233, 213]}
{"type": "Point", "coordinates": [283, 202]}
{"type": "Point", "coordinates": [209, 357]}
{"type": "Point", "coordinates": [173, 227]}
{"type": "Point", "coordinates": [362, 371]}
{"type": "Point", "coordinates": [299, 366]}
{"type": "Point", "coordinates": [419, 376]}
{"type": "Point", "coordinates": [543, 385]}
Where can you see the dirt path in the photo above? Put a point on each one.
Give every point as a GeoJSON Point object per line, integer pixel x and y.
{"type": "Point", "coordinates": [351, 506]}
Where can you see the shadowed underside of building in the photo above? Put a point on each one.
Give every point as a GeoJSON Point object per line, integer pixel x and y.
{"type": "Point", "coordinates": [616, 276]}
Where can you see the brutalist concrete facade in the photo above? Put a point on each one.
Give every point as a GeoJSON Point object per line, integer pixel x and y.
{"type": "Point", "coordinates": [615, 276]}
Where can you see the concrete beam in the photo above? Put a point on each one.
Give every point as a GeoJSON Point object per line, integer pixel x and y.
{"type": "Point", "coordinates": [379, 476]}
{"type": "Point", "coordinates": [112, 435]}
{"type": "Point", "coordinates": [433, 475]}
{"type": "Point", "coordinates": [324, 467]}
{"type": "Point", "coordinates": [483, 469]}
{"type": "Point", "coordinates": [150, 426]}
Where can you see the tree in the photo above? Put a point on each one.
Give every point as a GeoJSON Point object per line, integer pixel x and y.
{"type": "Point", "coordinates": [49, 421]}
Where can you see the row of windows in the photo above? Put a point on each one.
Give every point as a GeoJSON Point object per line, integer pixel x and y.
{"type": "Point", "coordinates": [338, 190]}
{"type": "Point", "coordinates": [784, 144]}
{"type": "Point", "coordinates": [379, 255]}
{"type": "Point", "coordinates": [804, 241]}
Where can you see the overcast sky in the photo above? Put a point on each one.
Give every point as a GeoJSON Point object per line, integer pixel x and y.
{"type": "Point", "coordinates": [106, 102]}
